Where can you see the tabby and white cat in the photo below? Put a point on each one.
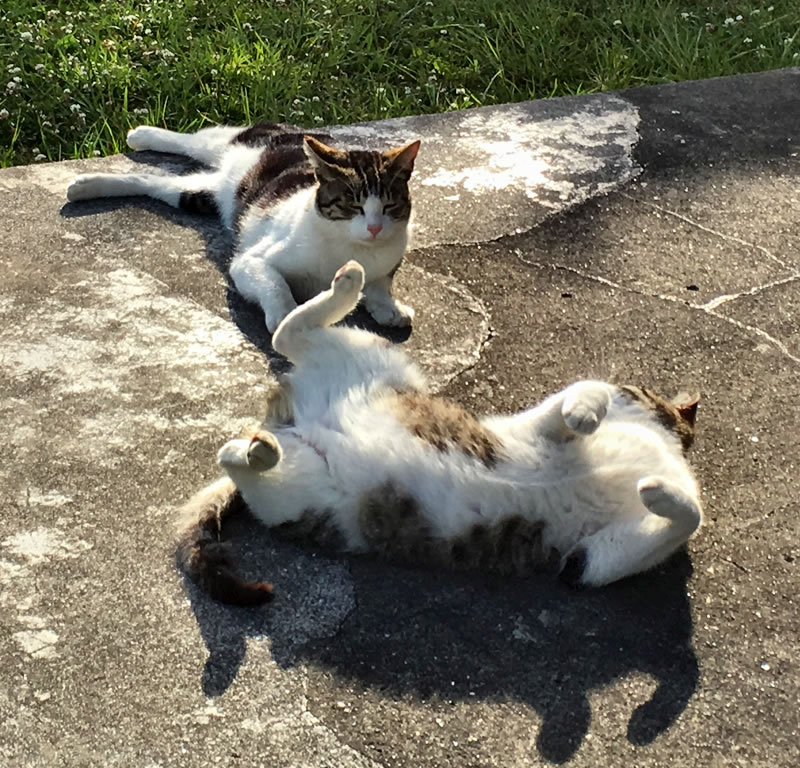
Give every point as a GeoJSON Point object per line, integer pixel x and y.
{"type": "Point", "coordinates": [354, 453]}
{"type": "Point", "coordinates": [299, 208]}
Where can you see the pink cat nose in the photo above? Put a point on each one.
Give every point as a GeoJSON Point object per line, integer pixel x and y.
{"type": "Point", "coordinates": [374, 229]}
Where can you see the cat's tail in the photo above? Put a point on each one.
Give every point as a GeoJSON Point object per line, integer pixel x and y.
{"type": "Point", "coordinates": [203, 557]}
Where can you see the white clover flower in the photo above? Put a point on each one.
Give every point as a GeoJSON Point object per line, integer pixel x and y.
{"type": "Point", "coordinates": [214, 73]}
{"type": "Point", "coordinates": [317, 119]}
{"type": "Point", "coordinates": [728, 21]}
{"type": "Point", "coordinates": [67, 91]}
{"type": "Point", "coordinates": [74, 108]}
{"type": "Point", "coordinates": [617, 22]}
{"type": "Point", "coordinates": [4, 114]}
{"type": "Point", "coordinates": [39, 67]}
{"type": "Point", "coordinates": [96, 153]}
{"type": "Point", "coordinates": [35, 150]}
{"type": "Point", "coordinates": [684, 15]}
{"type": "Point", "coordinates": [247, 26]}
{"type": "Point", "coordinates": [26, 37]}
{"type": "Point", "coordinates": [748, 40]}
{"type": "Point", "coordinates": [14, 70]}
{"type": "Point", "coordinates": [11, 86]}
{"type": "Point", "coordinates": [46, 124]}
{"type": "Point", "coordinates": [739, 17]}
{"type": "Point", "coordinates": [380, 90]}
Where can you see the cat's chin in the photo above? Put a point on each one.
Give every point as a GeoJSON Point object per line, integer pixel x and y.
{"type": "Point", "coordinates": [368, 242]}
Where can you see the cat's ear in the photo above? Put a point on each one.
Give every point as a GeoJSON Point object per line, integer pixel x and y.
{"type": "Point", "coordinates": [687, 405]}
{"type": "Point", "coordinates": [328, 162]}
{"type": "Point", "coordinates": [400, 160]}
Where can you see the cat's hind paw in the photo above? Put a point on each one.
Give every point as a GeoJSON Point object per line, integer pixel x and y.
{"type": "Point", "coordinates": [87, 186]}
{"type": "Point", "coordinates": [264, 452]}
{"type": "Point", "coordinates": [142, 137]}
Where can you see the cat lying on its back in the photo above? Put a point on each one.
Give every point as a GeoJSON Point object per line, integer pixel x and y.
{"type": "Point", "coordinates": [354, 453]}
{"type": "Point", "coordinates": [298, 207]}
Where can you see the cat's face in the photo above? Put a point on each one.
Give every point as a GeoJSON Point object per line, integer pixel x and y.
{"type": "Point", "coordinates": [367, 191]}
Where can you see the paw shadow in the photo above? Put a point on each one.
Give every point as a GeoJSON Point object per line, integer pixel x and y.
{"type": "Point", "coordinates": [463, 637]}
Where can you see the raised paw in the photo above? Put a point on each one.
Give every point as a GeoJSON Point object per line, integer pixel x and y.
{"type": "Point", "coordinates": [264, 452]}
{"type": "Point", "coordinates": [667, 500]}
{"type": "Point", "coordinates": [349, 278]}
{"type": "Point", "coordinates": [395, 314]}
{"type": "Point", "coordinates": [584, 409]}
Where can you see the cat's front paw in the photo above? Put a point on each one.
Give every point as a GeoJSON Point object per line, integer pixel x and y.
{"type": "Point", "coordinates": [392, 314]}
{"type": "Point", "coordinates": [585, 406]}
{"type": "Point", "coordinates": [349, 278]}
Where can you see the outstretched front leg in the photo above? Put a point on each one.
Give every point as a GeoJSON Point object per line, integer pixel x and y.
{"type": "Point", "coordinates": [326, 308]}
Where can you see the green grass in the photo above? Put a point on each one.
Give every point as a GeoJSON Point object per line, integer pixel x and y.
{"type": "Point", "coordinates": [76, 75]}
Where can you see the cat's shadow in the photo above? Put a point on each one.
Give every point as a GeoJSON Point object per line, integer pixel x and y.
{"type": "Point", "coordinates": [464, 637]}
{"type": "Point", "coordinates": [218, 250]}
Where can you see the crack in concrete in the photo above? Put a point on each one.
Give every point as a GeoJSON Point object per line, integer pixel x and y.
{"type": "Point", "coordinates": [777, 343]}
{"type": "Point", "coordinates": [725, 298]}
{"type": "Point", "coordinates": [709, 230]}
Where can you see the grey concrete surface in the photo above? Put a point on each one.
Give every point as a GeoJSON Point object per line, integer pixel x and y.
{"type": "Point", "coordinates": [649, 236]}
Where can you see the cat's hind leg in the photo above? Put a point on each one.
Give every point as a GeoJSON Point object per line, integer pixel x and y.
{"type": "Point", "coordinates": [260, 454]}
{"type": "Point", "coordinates": [207, 145]}
{"type": "Point", "coordinates": [326, 308]}
{"type": "Point", "coordinates": [623, 548]}
{"type": "Point", "coordinates": [194, 192]}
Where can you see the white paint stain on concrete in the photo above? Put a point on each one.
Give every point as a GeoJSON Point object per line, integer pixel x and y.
{"type": "Point", "coordinates": [509, 150]}
{"type": "Point", "coordinates": [39, 498]}
{"type": "Point", "coordinates": [39, 644]}
{"type": "Point", "coordinates": [38, 545]}
{"type": "Point", "coordinates": [110, 346]}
